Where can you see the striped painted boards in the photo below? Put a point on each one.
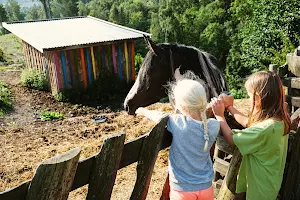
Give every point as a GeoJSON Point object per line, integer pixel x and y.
{"type": "Point", "coordinates": [74, 68]}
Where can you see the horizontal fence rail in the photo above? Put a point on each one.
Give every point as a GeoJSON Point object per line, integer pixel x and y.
{"type": "Point", "coordinates": [129, 154]}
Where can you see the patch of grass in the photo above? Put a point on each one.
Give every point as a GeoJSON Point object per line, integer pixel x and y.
{"type": "Point", "coordinates": [5, 99]}
{"type": "Point", "coordinates": [3, 68]}
{"type": "Point", "coordinates": [47, 116]}
{"type": "Point", "coordinates": [12, 48]}
{"type": "Point", "coordinates": [34, 79]}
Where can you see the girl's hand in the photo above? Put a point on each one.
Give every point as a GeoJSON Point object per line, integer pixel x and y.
{"type": "Point", "coordinates": [140, 111]}
{"type": "Point", "coordinates": [227, 99]}
{"type": "Point", "coordinates": [218, 107]}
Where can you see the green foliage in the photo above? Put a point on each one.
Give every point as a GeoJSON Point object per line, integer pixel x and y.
{"type": "Point", "coordinates": [2, 59]}
{"type": "Point", "coordinates": [138, 60]}
{"type": "Point", "coordinates": [239, 93]}
{"type": "Point", "coordinates": [12, 48]}
{"type": "Point", "coordinates": [265, 30]}
{"type": "Point", "coordinates": [13, 10]}
{"type": "Point", "coordinates": [47, 116]}
{"type": "Point", "coordinates": [3, 14]}
{"type": "Point", "coordinates": [64, 8]}
{"type": "Point", "coordinates": [35, 12]}
{"type": "Point", "coordinates": [5, 100]}
{"type": "Point", "coordinates": [34, 79]}
{"type": "Point", "coordinates": [47, 8]}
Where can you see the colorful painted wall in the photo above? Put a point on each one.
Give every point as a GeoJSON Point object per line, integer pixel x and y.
{"type": "Point", "coordinates": [76, 68]}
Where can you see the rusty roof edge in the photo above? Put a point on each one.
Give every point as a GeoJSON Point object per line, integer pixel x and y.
{"type": "Point", "coordinates": [120, 26]}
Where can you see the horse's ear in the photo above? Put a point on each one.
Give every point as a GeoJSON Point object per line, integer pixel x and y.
{"type": "Point", "coordinates": [153, 47]}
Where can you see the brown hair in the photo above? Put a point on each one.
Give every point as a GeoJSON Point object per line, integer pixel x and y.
{"type": "Point", "coordinates": [268, 87]}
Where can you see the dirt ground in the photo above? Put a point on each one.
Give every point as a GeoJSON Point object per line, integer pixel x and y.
{"type": "Point", "coordinates": [26, 140]}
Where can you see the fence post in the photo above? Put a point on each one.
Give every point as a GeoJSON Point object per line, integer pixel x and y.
{"type": "Point", "coordinates": [146, 161]}
{"type": "Point", "coordinates": [54, 177]}
{"type": "Point", "coordinates": [228, 187]}
{"type": "Point", "coordinates": [292, 180]}
{"type": "Point", "coordinates": [105, 168]}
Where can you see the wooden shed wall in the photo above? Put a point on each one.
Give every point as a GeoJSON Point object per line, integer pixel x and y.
{"type": "Point", "coordinates": [76, 68]}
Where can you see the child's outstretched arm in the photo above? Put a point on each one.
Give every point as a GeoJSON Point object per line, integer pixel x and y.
{"type": "Point", "coordinates": [218, 109]}
{"type": "Point", "coordinates": [152, 115]}
{"type": "Point", "coordinates": [238, 116]}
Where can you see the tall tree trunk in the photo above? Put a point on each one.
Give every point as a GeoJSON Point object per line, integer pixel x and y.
{"type": "Point", "coordinates": [46, 9]}
{"type": "Point", "coordinates": [49, 9]}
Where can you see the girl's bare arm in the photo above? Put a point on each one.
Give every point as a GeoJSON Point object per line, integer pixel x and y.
{"type": "Point", "coordinates": [238, 116]}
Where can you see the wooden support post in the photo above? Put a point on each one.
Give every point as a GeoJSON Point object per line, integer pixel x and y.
{"type": "Point", "coordinates": [54, 177]}
{"type": "Point", "coordinates": [146, 161]}
{"type": "Point", "coordinates": [292, 180]}
{"type": "Point", "coordinates": [105, 167]}
{"type": "Point", "coordinates": [227, 190]}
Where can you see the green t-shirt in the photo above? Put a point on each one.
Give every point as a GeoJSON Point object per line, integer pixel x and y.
{"type": "Point", "coordinates": [264, 150]}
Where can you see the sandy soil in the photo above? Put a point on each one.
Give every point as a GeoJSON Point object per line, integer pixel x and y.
{"type": "Point", "coordinates": [26, 140]}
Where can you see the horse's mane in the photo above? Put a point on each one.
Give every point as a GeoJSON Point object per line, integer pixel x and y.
{"type": "Point", "coordinates": [208, 64]}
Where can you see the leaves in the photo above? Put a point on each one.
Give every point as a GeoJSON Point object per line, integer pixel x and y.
{"type": "Point", "coordinates": [47, 116]}
{"type": "Point", "coordinates": [34, 79]}
{"type": "Point", "coordinates": [5, 99]}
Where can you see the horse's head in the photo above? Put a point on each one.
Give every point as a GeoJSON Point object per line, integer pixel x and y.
{"type": "Point", "coordinates": [159, 67]}
{"type": "Point", "coordinates": [153, 75]}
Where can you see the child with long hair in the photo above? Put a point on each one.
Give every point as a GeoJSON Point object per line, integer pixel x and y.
{"type": "Point", "coordinates": [264, 141]}
{"type": "Point", "coordinates": [190, 166]}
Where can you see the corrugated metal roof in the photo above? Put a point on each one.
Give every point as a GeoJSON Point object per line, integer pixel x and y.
{"type": "Point", "coordinates": [66, 32]}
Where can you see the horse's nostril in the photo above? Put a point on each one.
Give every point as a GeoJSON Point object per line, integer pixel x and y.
{"type": "Point", "coordinates": [127, 108]}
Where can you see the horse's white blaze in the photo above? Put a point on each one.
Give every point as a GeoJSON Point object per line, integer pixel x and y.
{"type": "Point", "coordinates": [177, 74]}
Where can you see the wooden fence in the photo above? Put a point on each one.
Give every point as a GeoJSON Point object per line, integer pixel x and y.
{"type": "Point", "coordinates": [56, 177]}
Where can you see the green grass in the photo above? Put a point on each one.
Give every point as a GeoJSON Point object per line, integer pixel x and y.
{"type": "Point", "coordinates": [5, 99]}
{"type": "Point", "coordinates": [12, 48]}
{"type": "Point", "coordinates": [3, 68]}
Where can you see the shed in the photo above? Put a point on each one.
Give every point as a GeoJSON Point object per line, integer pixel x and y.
{"type": "Point", "coordinates": [74, 51]}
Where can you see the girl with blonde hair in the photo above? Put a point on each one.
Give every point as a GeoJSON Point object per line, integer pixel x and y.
{"type": "Point", "coordinates": [190, 165]}
{"type": "Point", "coordinates": [264, 141]}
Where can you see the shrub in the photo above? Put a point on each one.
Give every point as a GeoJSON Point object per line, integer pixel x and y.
{"type": "Point", "coordinates": [2, 59]}
{"type": "Point", "coordinates": [34, 79]}
{"type": "Point", "coordinates": [47, 116]}
{"type": "Point", "coordinates": [5, 100]}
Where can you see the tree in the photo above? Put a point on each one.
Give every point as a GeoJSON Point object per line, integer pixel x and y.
{"type": "Point", "coordinates": [13, 10]}
{"type": "Point", "coordinates": [3, 14]}
{"type": "Point", "coordinates": [35, 12]}
{"type": "Point", "coordinates": [266, 29]}
{"type": "Point", "coordinates": [47, 8]}
{"type": "Point", "coordinates": [64, 8]}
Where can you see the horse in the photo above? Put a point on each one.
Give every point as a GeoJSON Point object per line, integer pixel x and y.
{"type": "Point", "coordinates": [158, 68]}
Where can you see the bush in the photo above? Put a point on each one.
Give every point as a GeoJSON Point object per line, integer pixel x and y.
{"type": "Point", "coordinates": [5, 100]}
{"type": "Point", "coordinates": [2, 59]}
{"type": "Point", "coordinates": [34, 79]}
{"type": "Point", "coordinates": [47, 116]}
